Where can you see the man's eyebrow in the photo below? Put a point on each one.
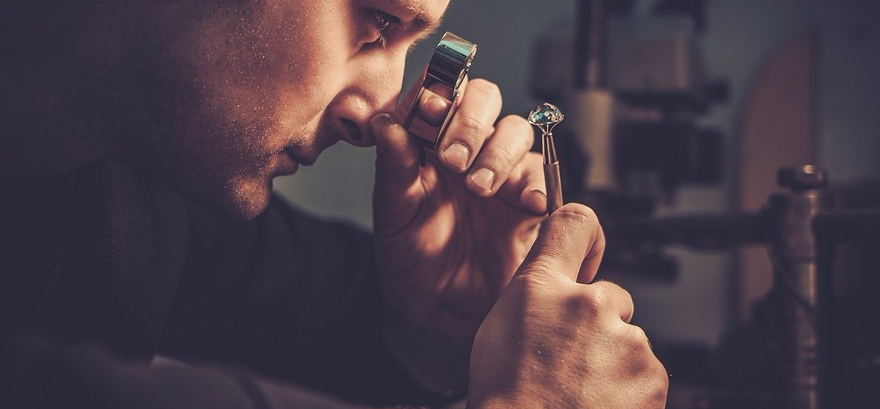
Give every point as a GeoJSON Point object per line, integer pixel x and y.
{"type": "Point", "coordinates": [426, 25]}
{"type": "Point", "coordinates": [416, 13]}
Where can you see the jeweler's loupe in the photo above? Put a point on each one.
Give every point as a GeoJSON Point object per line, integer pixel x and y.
{"type": "Point", "coordinates": [445, 74]}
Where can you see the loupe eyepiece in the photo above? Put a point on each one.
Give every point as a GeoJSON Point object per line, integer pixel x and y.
{"type": "Point", "coordinates": [445, 73]}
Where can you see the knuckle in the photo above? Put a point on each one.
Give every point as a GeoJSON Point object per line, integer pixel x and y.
{"type": "Point", "coordinates": [589, 302]}
{"type": "Point", "coordinates": [487, 89]}
{"type": "Point", "coordinates": [504, 153]}
{"type": "Point", "coordinates": [637, 343]}
{"type": "Point", "coordinates": [470, 125]}
{"type": "Point", "coordinates": [523, 131]}
{"type": "Point", "coordinates": [658, 371]}
{"type": "Point", "coordinates": [532, 282]}
{"type": "Point", "coordinates": [645, 366]}
{"type": "Point", "coordinates": [659, 384]}
{"type": "Point", "coordinates": [598, 294]}
{"type": "Point", "coordinates": [577, 214]}
{"type": "Point", "coordinates": [582, 219]}
{"type": "Point", "coordinates": [638, 337]}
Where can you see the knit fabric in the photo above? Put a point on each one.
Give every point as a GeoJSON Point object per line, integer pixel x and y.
{"type": "Point", "coordinates": [103, 268]}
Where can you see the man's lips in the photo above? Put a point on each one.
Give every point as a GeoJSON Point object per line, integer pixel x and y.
{"type": "Point", "coordinates": [306, 160]}
{"type": "Point", "coordinates": [307, 154]}
{"type": "Point", "coordinates": [284, 163]}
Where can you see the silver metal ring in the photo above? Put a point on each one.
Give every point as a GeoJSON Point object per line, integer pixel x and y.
{"type": "Point", "coordinates": [445, 73]}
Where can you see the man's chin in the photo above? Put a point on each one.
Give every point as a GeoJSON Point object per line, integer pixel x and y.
{"type": "Point", "coordinates": [242, 201]}
{"type": "Point", "coordinates": [246, 209]}
{"type": "Point", "coordinates": [247, 202]}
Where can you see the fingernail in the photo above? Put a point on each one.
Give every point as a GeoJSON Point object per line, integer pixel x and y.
{"type": "Point", "coordinates": [536, 201]}
{"type": "Point", "coordinates": [456, 155]}
{"type": "Point", "coordinates": [484, 178]}
{"type": "Point", "coordinates": [437, 104]}
{"type": "Point", "coordinates": [380, 122]}
{"type": "Point", "coordinates": [434, 111]}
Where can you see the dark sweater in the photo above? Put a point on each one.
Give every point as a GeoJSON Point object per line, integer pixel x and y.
{"type": "Point", "coordinates": [103, 268]}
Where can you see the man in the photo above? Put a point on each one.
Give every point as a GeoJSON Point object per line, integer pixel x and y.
{"type": "Point", "coordinates": [132, 131]}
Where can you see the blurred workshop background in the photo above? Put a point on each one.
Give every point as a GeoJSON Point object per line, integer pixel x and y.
{"type": "Point", "coordinates": [678, 108]}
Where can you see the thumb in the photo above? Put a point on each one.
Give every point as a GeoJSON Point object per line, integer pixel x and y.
{"type": "Point", "coordinates": [571, 242]}
{"type": "Point", "coordinates": [397, 192]}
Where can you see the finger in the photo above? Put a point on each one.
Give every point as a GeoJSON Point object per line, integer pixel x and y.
{"type": "Point", "coordinates": [615, 297]}
{"type": "Point", "coordinates": [406, 102]}
{"type": "Point", "coordinates": [434, 104]}
{"type": "Point", "coordinates": [594, 257]}
{"type": "Point", "coordinates": [397, 192]}
{"type": "Point", "coordinates": [501, 153]}
{"type": "Point", "coordinates": [570, 243]}
{"type": "Point", "coordinates": [524, 187]}
{"type": "Point", "coordinates": [471, 125]}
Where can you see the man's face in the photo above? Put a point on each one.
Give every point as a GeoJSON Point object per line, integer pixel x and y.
{"type": "Point", "coordinates": [235, 94]}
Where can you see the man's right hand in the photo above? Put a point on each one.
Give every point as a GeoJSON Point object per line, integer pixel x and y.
{"type": "Point", "coordinates": [554, 341]}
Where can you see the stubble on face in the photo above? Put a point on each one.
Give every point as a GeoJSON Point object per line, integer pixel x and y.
{"type": "Point", "coordinates": [228, 89]}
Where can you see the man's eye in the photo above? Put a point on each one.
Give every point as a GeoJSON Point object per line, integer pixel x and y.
{"type": "Point", "coordinates": [383, 21]}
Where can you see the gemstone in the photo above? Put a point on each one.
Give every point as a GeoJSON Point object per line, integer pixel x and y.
{"type": "Point", "coordinates": [545, 114]}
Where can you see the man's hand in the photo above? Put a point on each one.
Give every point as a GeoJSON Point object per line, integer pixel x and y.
{"type": "Point", "coordinates": [553, 341]}
{"type": "Point", "coordinates": [450, 235]}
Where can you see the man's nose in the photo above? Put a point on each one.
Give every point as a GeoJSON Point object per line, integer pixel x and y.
{"type": "Point", "coordinates": [373, 86]}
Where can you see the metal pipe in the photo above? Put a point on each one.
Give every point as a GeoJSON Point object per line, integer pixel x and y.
{"type": "Point", "coordinates": [803, 287]}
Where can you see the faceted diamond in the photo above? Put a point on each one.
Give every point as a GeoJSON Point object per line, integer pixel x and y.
{"type": "Point", "coordinates": [545, 115]}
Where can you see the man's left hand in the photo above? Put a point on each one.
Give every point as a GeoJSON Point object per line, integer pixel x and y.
{"type": "Point", "coordinates": [450, 235]}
